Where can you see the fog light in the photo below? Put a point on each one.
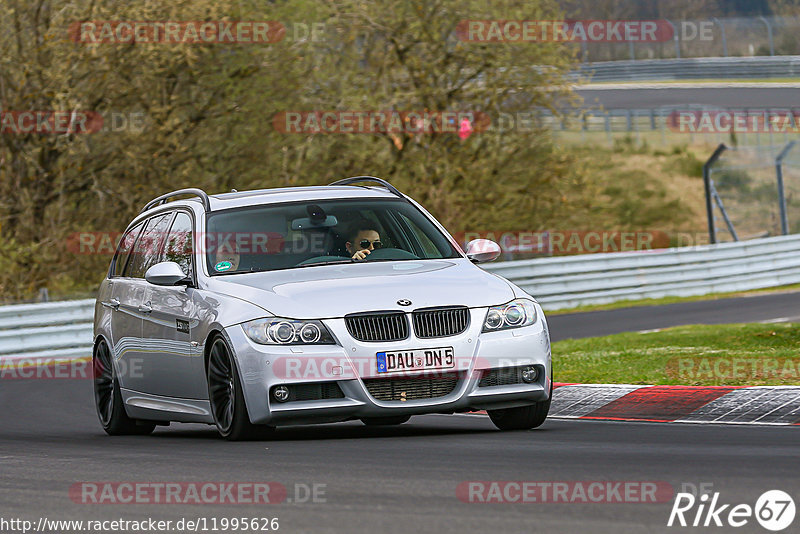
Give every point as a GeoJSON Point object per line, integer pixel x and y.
{"type": "Point", "coordinates": [529, 374]}
{"type": "Point", "coordinates": [281, 393]}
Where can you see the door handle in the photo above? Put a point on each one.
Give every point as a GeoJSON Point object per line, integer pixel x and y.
{"type": "Point", "coordinates": [113, 304]}
{"type": "Point", "coordinates": [145, 308]}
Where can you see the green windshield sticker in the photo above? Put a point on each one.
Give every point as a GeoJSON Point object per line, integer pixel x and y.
{"type": "Point", "coordinates": [223, 266]}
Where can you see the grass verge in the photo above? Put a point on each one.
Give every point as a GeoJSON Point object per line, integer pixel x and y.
{"type": "Point", "coordinates": [697, 355]}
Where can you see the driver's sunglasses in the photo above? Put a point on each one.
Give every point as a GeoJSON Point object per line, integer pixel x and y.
{"type": "Point", "coordinates": [366, 242]}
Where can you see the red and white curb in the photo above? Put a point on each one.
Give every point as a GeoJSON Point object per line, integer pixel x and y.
{"type": "Point", "coordinates": [766, 405]}
{"type": "Point", "coordinates": [761, 405]}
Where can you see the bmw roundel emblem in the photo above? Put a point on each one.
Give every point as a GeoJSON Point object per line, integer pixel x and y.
{"type": "Point", "coordinates": [404, 302]}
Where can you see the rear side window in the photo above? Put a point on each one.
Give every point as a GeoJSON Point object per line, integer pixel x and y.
{"type": "Point", "coordinates": [179, 243]}
{"type": "Point", "coordinates": [148, 246]}
{"type": "Point", "coordinates": [125, 248]}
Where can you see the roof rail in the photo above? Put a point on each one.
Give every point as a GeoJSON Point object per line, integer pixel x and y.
{"type": "Point", "coordinates": [356, 179]}
{"type": "Point", "coordinates": [191, 191]}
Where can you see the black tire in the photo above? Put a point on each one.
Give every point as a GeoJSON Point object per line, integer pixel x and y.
{"type": "Point", "coordinates": [385, 421]}
{"type": "Point", "coordinates": [524, 417]}
{"type": "Point", "coordinates": [227, 398]}
{"type": "Point", "coordinates": [108, 398]}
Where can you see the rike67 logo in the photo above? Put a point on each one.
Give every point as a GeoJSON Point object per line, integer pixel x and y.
{"type": "Point", "coordinates": [774, 510]}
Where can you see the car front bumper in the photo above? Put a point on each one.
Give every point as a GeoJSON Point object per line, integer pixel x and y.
{"type": "Point", "coordinates": [352, 365]}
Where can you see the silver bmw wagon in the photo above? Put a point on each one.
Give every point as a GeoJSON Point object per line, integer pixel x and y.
{"type": "Point", "coordinates": [256, 309]}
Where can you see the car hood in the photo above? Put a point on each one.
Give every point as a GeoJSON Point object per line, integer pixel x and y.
{"type": "Point", "coordinates": [328, 291]}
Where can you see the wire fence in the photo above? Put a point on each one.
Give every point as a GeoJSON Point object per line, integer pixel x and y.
{"type": "Point", "coordinates": [663, 124]}
{"type": "Point", "coordinates": [755, 192]}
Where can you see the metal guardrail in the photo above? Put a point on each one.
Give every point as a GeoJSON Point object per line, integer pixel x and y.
{"type": "Point", "coordinates": [51, 330]}
{"type": "Point", "coordinates": [690, 69]}
{"type": "Point", "coordinates": [564, 282]}
{"type": "Point", "coordinates": [63, 330]}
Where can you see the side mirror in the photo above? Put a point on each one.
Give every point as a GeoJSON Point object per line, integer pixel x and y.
{"type": "Point", "coordinates": [482, 250]}
{"type": "Point", "coordinates": [166, 273]}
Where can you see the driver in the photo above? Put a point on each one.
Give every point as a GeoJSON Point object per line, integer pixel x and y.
{"type": "Point", "coordinates": [363, 238]}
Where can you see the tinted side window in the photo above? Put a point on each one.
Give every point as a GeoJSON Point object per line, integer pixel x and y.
{"type": "Point", "coordinates": [179, 243]}
{"type": "Point", "coordinates": [148, 246]}
{"type": "Point", "coordinates": [124, 250]}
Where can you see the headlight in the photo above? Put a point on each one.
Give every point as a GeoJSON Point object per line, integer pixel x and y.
{"type": "Point", "coordinates": [280, 331]}
{"type": "Point", "coordinates": [515, 314]}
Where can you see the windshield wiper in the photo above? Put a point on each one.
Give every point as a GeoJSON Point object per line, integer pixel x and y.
{"type": "Point", "coordinates": [329, 262]}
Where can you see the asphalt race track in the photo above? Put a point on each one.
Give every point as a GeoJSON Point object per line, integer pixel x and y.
{"type": "Point", "coordinates": [774, 307]}
{"type": "Point", "coordinates": [717, 97]}
{"type": "Point", "coordinates": [401, 479]}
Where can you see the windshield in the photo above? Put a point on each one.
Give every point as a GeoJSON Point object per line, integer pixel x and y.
{"type": "Point", "coordinates": [285, 236]}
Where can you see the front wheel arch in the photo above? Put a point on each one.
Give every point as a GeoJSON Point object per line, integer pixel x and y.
{"type": "Point", "coordinates": [213, 333]}
{"type": "Point", "coordinates": [228, 402]}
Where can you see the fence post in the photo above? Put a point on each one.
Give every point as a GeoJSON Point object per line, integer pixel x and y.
{"type": "Point", "coordinates": [712, 233]}
{"type": "Point", "coordinates": [721, 207]}
{"type": "Point", "coordinates": [781, 194]}
{"type": "Point", "coordinates": [724, 40]}
{"type": "Point", "coordinates": [676, 38]}
{"type": "Point", "coordinates": [769, 35]}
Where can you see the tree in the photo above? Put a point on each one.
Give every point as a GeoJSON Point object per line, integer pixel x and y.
{"type": "Point", "coordinates": [204, 116]}
{"type": "Point", "coordinates": [407, 56]}
{"type": "Point", "coordinates": [183, 111]}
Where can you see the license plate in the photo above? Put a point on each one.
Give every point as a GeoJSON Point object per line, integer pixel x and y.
{"type": "Point", "coordinates": [416, 360]}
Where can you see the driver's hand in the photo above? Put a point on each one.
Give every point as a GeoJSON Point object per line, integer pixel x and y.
{"type": "Point", "coordinates": [361, 254]}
